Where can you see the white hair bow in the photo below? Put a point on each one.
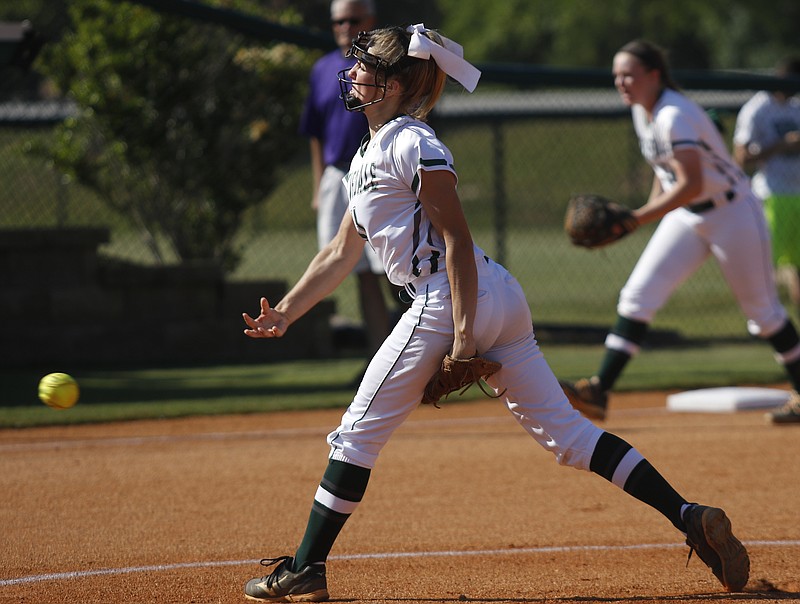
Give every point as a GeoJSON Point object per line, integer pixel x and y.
{"type": "Point", "coordinates": [449, 58]}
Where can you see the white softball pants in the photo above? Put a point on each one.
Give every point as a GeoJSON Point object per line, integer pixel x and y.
{"type": "Point", "coordinates": [395, 379]}
{"type": "Point", "coordinates": [736, 234]}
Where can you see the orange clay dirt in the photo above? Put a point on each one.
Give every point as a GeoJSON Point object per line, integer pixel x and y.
{"type": "Point", "coordinates": [462, 506]}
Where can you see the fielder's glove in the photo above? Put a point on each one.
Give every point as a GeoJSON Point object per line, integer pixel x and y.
{"type": "Point", "coordinates": [593, 221]}
{"type": "Point", "coordinates": [459, 374]}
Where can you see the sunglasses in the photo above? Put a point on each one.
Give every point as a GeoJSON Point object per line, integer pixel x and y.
{"type": "Point", "coordinates": [351, 21]}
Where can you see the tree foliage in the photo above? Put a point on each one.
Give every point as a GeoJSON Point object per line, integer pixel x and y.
{"type": "Point", "coordinates": [713, 34]}
{"type": "Point", "coordinates": [181, 127]}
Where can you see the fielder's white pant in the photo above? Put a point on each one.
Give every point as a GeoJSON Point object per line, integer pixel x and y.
{"type": "Point", "coordinates": [333, 205]}
{"type": "Point", "coordinates": [736, 234]}
{"type": "Point", "coordinates": [395, 379]}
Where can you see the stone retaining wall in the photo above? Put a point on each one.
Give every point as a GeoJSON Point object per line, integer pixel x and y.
{"type": "Point", "coordinates": [63, 304]}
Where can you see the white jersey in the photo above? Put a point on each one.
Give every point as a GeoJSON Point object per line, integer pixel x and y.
{"type": "Point", "coordinates": [732, 228]}
{"type": "Point", "coordinates": [680, 123]}
{"type": "Point", "coordinates": [382, 185]}
{"type": "Point", "coordinates": [761, 123]}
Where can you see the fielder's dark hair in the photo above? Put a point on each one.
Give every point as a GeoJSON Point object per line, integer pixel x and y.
{"type": "Point", "coordinates": [652, 57]}
{"type": "Point", "coordinates": [788, 67]}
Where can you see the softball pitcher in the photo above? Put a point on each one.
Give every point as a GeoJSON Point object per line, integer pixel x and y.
{"type": "Point", "coordinates": [403, 202]}
{"type": "Point", "coordinates": [707, 209]}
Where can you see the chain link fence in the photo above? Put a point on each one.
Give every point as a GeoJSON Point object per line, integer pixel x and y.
{"type": "Point", "coordinates": [519, 155]}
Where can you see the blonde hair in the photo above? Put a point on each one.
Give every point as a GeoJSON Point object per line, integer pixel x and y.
{"type": "Point", "coordinates": [422, 80]}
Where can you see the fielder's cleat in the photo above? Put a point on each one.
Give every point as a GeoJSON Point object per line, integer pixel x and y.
{"type": "Point", "coordinates": [708, 532]}
{"type": "Point", "coordinates": [788, 414]}
{"type": "Point", "coordinates": [587, 396]}
{"type": "Point", "coordinates": [284, 585]}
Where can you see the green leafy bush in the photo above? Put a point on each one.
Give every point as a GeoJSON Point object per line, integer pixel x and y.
{"type": "Point", "coordinates": [181, 125]}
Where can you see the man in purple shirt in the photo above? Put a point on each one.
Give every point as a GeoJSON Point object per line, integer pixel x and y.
{"type": "Point", "coordinates": [335, 135]}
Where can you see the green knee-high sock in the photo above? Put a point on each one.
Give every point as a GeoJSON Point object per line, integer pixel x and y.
{"type": "Point", "coordinates": [793, 370]}
{"type": "Point", "coordinates": [615, 359]}
{"type": "Point", "coordinates": [619, 463]}
{"type": "Point", "coordinates": [341, 489]}
{"type": "Point", "coordinates": [786, 342]}
{"type": "Point", "coordinates": [611, 367]}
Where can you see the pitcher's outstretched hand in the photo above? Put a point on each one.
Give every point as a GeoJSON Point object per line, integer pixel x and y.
{"type": "Point", "coordinates": [269, 324]}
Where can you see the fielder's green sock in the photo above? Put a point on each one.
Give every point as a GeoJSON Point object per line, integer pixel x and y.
{"type": "Point", "coordinates": [786, 343]}
{"type": "Point", "coordinates": [611, 367]}
{"type": "Point", "coordinates": [615, 359]}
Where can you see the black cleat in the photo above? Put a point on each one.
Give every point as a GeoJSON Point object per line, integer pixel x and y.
{"type": "Point", "coordinates": [587, 396]}
{"type": "Point", "coordinates": [708, 532]}
{"type": "Point", "coordinates": [284, 585]}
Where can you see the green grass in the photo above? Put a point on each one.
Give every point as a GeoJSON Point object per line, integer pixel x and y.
{"type": "Point", "coordinates": [135, 393]}
{"type": "Point", "coordinates": [153, 393]}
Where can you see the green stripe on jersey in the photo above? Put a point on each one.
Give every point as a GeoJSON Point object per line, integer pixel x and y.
{"type": "Point", "coordinates": [432, 162]}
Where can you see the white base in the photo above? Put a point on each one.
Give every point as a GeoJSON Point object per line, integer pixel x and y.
{"type": "Point", "coordinates": [727, 400]}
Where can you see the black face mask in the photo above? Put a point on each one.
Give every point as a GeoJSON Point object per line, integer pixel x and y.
{"type": "Point", "coordinates": [359, 51]}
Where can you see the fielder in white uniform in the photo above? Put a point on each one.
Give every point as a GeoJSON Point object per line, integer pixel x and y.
{"type": "Point", "coordinates": [403, 203]}
{"type": "Point", "coordinates": [767, 138]}
{"type": "Point", "coordinates": [706, 207]}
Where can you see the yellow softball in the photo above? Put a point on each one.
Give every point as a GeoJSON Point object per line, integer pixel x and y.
{"type": "Point", "coordinates": [58, 390]}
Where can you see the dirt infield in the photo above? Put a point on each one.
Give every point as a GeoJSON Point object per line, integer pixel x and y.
{"type": "Point", "coordinates": [463, 506]}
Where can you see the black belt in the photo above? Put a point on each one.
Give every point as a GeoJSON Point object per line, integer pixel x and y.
{"type": "Point", "coordinates": [700, 207]}
{"type": "Point", "coordinates": [408, 291]}
{"type": "Point", "coordinates": [407, 294]}
{"type": "Point", "coordinates": [708, 204]}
